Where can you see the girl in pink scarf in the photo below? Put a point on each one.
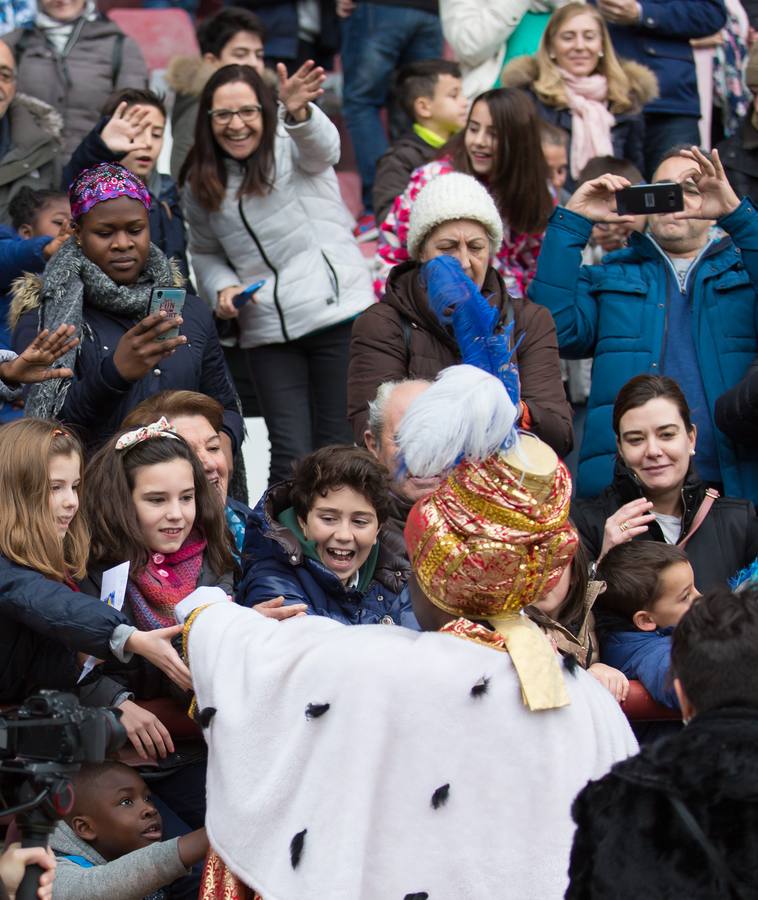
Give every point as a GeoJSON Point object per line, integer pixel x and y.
{"type": "Point", "coordinates": [591, 119]}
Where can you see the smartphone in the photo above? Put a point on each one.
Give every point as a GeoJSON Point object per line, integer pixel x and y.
{"type": "Point", "coordinates": [649, 199]}
{"type": "Point", "coordinates": [241, 299]}
{"type": "Point", "coordinates": [170, 301]}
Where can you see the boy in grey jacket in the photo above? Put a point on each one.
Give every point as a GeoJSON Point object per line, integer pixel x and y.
{"type": "Point", "coordinates": [109, 847]}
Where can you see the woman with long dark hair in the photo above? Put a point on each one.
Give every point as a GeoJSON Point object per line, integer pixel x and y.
{"type": "Point", "coordinates": [500, 146]}
{"type": "Point", "coordinates": [263, 203]}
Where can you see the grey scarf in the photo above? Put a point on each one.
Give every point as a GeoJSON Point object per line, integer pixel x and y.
{"type": "Point", "coordinates": [69, 282]}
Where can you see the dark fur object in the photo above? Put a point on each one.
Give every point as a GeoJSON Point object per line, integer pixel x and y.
{"type": "Point", "coordinates": [314, 710]}
{"type": "Point", "coordinates": [439, 797]}
{"type": "Point", "coordinates": [630, 841]}
{"type": "Point", "coordinates": [205, 716]}
{"type": "Point", "coordinates": [297, 845]}
{"type": "Point", "coordinates": [481, 687]}
{"type": "Point", "coordinates": [570, 663]}
{"type": "Point", "coordinates": [421, 895]}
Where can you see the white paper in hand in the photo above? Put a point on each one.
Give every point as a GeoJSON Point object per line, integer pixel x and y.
{"type": "Point", "coordinates": [112, 592]}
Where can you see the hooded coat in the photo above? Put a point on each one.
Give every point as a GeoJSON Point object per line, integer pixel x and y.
{"type": "Point", "coordinates": [632, 842]}
{"type": "Point", "coordinates": [725, 542]}
{"type": "Point", "coordinates": [401, 338]}
{"type": "Point", "coordinates": [627, 135]}
{"type": "Point", "coordinates": [33, 155]}
{"type": "Point", "coordinates": [101, 60]}
{"type": "Point", "coordinates": [275, 564]}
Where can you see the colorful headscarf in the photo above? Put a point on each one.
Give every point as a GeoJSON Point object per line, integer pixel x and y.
{"type": "Point", "coordinates": [104, 182]}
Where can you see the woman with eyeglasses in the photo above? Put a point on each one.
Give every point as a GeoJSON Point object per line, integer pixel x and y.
{"type": "Point", "coordinates": [263, 204]}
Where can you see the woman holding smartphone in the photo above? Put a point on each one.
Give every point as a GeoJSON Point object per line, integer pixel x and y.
{"type": "Point", "coordinates": [262, 202]}
{"type": "Point", "coordinates": [102, 281]}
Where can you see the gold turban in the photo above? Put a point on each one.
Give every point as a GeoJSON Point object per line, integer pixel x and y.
{"type": "Point", "coordinates": [495, 536]}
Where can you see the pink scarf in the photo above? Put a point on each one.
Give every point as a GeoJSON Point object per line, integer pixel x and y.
{"type": "Point", "coordinates": [591, 120]}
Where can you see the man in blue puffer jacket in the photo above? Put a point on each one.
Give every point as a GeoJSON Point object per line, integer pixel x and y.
{"type": "Point", "coordinates": [676, 302]}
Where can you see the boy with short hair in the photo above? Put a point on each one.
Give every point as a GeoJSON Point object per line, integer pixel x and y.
{"type": "Point", "coordinates": [131, 132]}
{"type": "Point", "coordinates": [231, 36]}
{"type": "Point", "coordinates": [555, 143]}
{"type": "Point", "coordinates": [110, 845]}
{"type": "Point", "coordinates": [649, 587]}
{"type": "Point", "coordinates": [431, 93]}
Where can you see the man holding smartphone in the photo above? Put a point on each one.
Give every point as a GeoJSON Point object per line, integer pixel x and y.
{"type": "Point", "coordinates": [677, 301]}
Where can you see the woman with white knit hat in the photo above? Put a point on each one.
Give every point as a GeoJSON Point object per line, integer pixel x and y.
{"type": "Point", "coordinates": [402, 337]}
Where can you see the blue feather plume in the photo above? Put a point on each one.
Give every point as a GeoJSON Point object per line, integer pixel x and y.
{"type": "Point", "coordinates": [458, 302]}
{"type": "Point", "coordinates": [748, 574]}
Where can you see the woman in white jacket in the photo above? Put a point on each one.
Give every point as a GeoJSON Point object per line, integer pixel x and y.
{"type": "Point", "coordinates": [263, 202]}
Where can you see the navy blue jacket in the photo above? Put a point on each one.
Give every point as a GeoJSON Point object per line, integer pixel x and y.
{"type": "Point", "coordinates": [42, 624]}
{"type": "Point", "coordinates": [661, 41]}
{"type": "Point", "coordinates": [617, 312]}
{"type": "Point", "coordinates": [99, 398]}
{"type": "Point", "coordinates": [644, 655]}
{"type": "Point", "coordinates": [274, 565]}
{"type": "Point", "coordinates": [165, 216]}
{"type": "Point", "coordinates": [16, 256]}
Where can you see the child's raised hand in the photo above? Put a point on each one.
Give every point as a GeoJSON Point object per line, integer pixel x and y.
{"type": "Point", "coordinates": [616, 682]}
{"type": "Point", "coordinates": [148, 735]}
{"type": "Point", "coordinates": [275, 609]}
{"type": "Point", "coordinates": [156, 647]}
{"type": "Point", "coordinates": [32, 365]}
{"type": "Point", "coordinates": [125, 127]}
{"type": "Point", "coordinates": [301, 88]}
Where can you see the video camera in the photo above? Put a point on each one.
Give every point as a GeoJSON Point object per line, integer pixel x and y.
{"type": "Point", "coordinates": [42, 744]}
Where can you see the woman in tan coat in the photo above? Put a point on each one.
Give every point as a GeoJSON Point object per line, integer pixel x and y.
{"type": "Point", "coordinates": [401, 337]}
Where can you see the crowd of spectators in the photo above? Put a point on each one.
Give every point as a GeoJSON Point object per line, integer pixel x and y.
{"type": "Point", "coordinates": [499, 408]}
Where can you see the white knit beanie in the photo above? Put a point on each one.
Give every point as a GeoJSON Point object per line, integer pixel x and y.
{"type": "Point", "coordinates": [450, 197]}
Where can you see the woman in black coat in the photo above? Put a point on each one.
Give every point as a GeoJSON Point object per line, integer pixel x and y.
{"type": "Point", "coordinates": [101, 282]}
{"type": "Point", "coordinates": [656, 494]}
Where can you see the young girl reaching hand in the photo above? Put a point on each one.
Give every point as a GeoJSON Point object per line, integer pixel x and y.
{"type": "Point", "coordinates": [44, 541]}
{"type": "Point", "coordinates": [162, 517]}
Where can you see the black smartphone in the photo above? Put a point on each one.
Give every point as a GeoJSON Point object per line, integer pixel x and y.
{"type": "Point", "coordinates": [649, 199]}
{"type": "Point", "coordinates": [170, 301]}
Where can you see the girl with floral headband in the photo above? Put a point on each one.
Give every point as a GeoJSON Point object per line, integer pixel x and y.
{"type": "Point", "coordinates": [44, 619]}
{"type": "Point", "coordinates": [101, 282]}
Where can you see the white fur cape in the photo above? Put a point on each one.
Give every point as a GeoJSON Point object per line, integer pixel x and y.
{"type": "Point", "coordinates": [356, 782]}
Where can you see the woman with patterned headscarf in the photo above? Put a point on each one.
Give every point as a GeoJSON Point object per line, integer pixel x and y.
{"type": "Point", "coordinates": [101, 282]}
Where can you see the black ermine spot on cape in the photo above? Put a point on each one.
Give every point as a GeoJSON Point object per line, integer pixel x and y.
{"type": "Point", "coordinates": [421, 895]}
{"type": "Point", "coordinates": [569, 664]}
{"type": "Point", "coordinates": [205, 715]}
{"type": "Point", "coordinates": [439, 797]}
{"type": "Point", "coordinates": [296, 847]}
{"type": "Point", "coordinates": [314, 710]}
{"type": "Point", "coordinates": [481, 687]}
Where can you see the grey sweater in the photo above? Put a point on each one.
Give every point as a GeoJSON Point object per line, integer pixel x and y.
{"type": "Point", "coordinates": [129, 877]}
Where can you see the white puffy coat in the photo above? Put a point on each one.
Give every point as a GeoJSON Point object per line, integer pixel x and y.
{"type": "Point", "coordinates": [298, 237]}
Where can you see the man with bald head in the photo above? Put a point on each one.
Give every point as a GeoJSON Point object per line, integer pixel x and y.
{"type": "Point", "coordinates": [30, 138]}
{"type": "Point", "coordinates": [386, 411]}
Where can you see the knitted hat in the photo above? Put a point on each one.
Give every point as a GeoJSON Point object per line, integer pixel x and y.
{"type": "Point", "coordinates": [450, 197]}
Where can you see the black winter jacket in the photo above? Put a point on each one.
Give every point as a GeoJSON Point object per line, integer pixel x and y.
{"type": "Point", "coordinates": [99, 398]}
{"type": "Point", "coordinates": [393, 171]}
{"type": "Point", "coordinates": [739, 154]}
{"type": "Point", "coordinates": [726, 542]}
{"type": "Point", "coordinates": [736, 411]}
{"type": "Point", "coordinates": [631, 842]}
{"type": "Point", "coordinates": [165, 215]}
{"type": "Point", "coordinates": [43, 624]}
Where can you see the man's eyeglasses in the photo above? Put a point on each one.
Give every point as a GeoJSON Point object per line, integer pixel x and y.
{"type": "Point", "coordinates": [7, 76]}
{"type": "Point", "coordinates": [248, 114]}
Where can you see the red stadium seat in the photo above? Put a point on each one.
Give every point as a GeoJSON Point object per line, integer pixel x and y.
{"type": "Point", "coordinates": [639, 706]}
{"type": "Point", "coordinates": [160, 33]}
